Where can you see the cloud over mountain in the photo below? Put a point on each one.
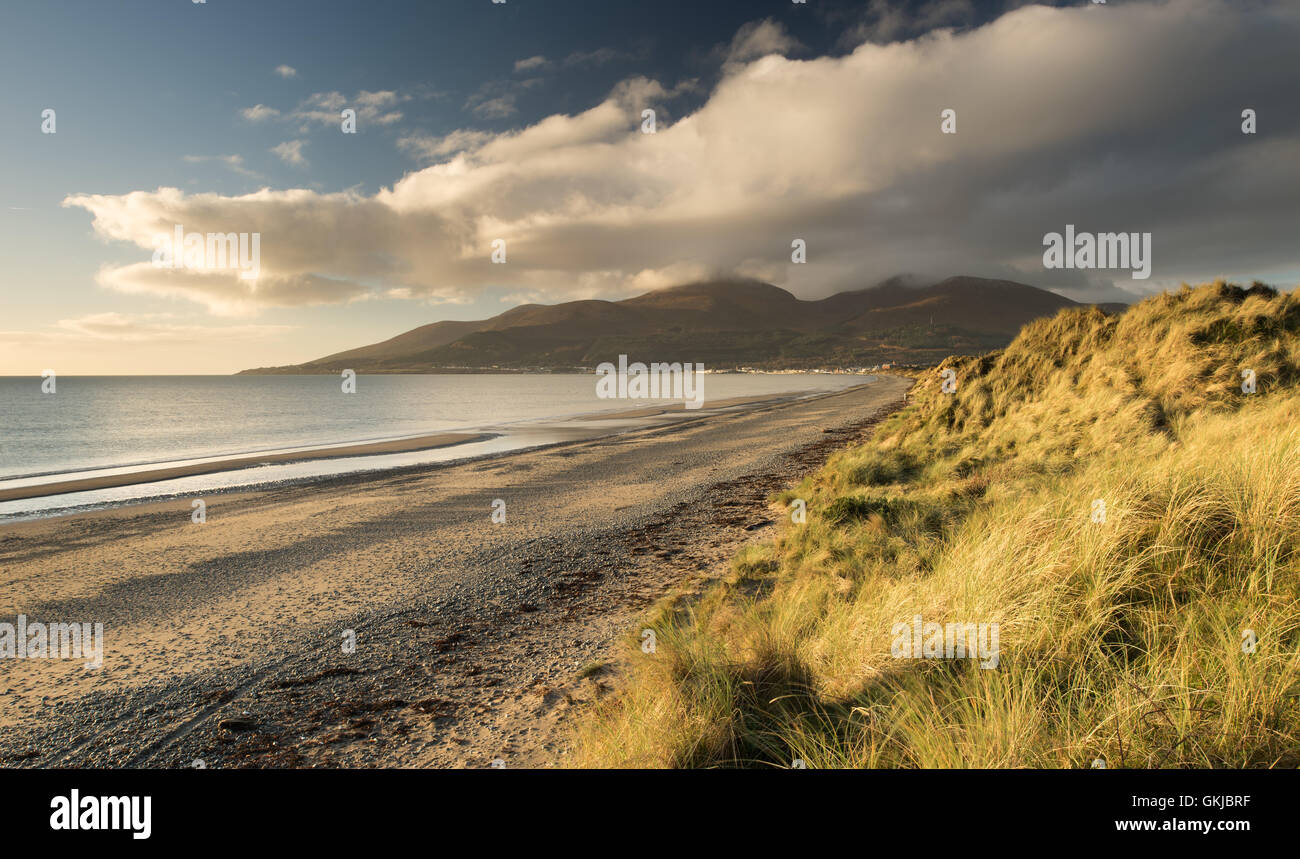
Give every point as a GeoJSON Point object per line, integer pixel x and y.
{"type": "Point", "coordinates": [1112, 117]}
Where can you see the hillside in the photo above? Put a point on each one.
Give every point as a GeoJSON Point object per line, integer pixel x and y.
{"type": "Point", "coordinates": [1102, 489]}
{"type": "Point", "coordinates": [723, 324]}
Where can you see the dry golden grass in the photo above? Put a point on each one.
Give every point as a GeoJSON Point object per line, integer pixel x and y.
{"type": "Point", "coordinates": [1120, 640]}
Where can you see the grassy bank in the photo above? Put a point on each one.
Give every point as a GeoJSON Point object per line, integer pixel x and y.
{"type": "Point", "coordinates": [1122, 637]}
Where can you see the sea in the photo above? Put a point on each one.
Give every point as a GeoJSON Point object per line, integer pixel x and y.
{"type": "Point", "coordinates": [96, 425]}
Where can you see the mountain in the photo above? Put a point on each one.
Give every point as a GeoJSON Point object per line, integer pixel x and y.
{"type": "Point", "coordinates": [417, 340]}
{"type": "Point", "coordinates": [723, 324]}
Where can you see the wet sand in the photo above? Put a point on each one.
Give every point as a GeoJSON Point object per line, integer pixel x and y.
{"type": "Point", "coordinates": [225, 640]}
{"type": "Point", "coordinates": [678, 408]}
{"type": "Point", "coordinates": [150, 475]}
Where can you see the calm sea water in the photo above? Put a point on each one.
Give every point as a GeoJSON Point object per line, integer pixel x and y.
{"type": "Point", "coordinates": [122, 422]}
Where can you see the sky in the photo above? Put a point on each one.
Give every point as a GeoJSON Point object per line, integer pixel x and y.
{"type": "Point", "coordinates": [502, 155]}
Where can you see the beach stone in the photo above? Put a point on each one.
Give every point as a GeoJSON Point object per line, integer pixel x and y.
{"type": "Point", "coordinates": [236, 725]}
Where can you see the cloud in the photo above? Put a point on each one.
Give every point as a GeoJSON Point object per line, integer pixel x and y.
{"type": "Point", "coordinates": [235, 163]}
{"type": "Point", "coordinates": [226, 294]}
{"type": "Point", "coordinates": [844, 152]}
{"type": "Point", "coordinates": [426, 147]}
{"type": "Point", "coordinates": [286, 71]}
{"type": "Point", "coordinates": [758, 39]}
{"type": "Point", "coordinates": [636, 94]}
{"type": "Point", "coordinates": [141, 328]}
{"type": "Point", "coordinates": [598, 57]}
{"type": "Point", "coordinates": [297, 229]}
{"type": "Point", "coordinates": [884, 21]}
{"type": "Point", "coordinates": [496, 99]}
{"type": "Point", "coordinates": [495, 108]}
{"type": "Point", "coordinates": [100, 343]}
{"type": "Point", "coordinates": [531, 63]}
{"type": "Point", "coordinates": [258, 112]}
{"type": "Point", "coordinates": [324, 108]}
{"type": "Point", "coordinates": [290, 152]}
{"type": "Point", "coordinates": [373, 108]}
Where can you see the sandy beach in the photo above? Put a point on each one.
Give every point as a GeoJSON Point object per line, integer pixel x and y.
{"type": "Point", "coordinates": [225, 641]}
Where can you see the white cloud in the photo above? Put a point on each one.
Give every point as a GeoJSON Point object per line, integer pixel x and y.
{"type": "Point", "coordinates": [530, 63]}
{"type": "Point", "coordinates": [497, 99]}
{"type": "Point", "coordinates": [495, 108]}
{"type": "Point", "coordinates": [426, 147]}
{"type": "Point", "coordinates": [141, 328]}
{"type": "Point", "coordinates": [324, 108]}
{"type": "Point", "coordinates": [290, 152]}
{"type": "Point", "coordinates": [373, 108]}
{"type": "Point", "coordinates": [889, 20]}
{"type": "Point", "coordinates": [107, 343]}
{"type": "Point", "coordinates": [844, 152]}
{"type": "Point", "coordinates": [758, 39]}
{"type": "Point", "coordinates": [286, 71]}
{"type": "Point", "coordinates": [258, 112]}
{"type": "Point", "coordinates": [235, 163]}
{"type": "Point", "coordinates": [225, 294]}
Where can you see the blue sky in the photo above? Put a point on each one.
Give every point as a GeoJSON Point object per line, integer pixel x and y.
{"type": "Point", "coordinates": [224, 98]}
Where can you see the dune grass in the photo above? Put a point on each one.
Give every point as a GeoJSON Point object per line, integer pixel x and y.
{"type": "Point", "coordinates": [1124, 637]}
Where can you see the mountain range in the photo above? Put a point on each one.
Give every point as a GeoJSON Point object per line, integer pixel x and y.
{"type": "Point", "coordinates": [722, 324]}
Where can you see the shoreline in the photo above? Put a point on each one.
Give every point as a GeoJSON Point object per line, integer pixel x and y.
{"type": "Point", "coordinates": [135, 476]}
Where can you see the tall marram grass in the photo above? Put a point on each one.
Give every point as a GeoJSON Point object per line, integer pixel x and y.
{"type": "Point", "coordinates": [1120, 640]}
